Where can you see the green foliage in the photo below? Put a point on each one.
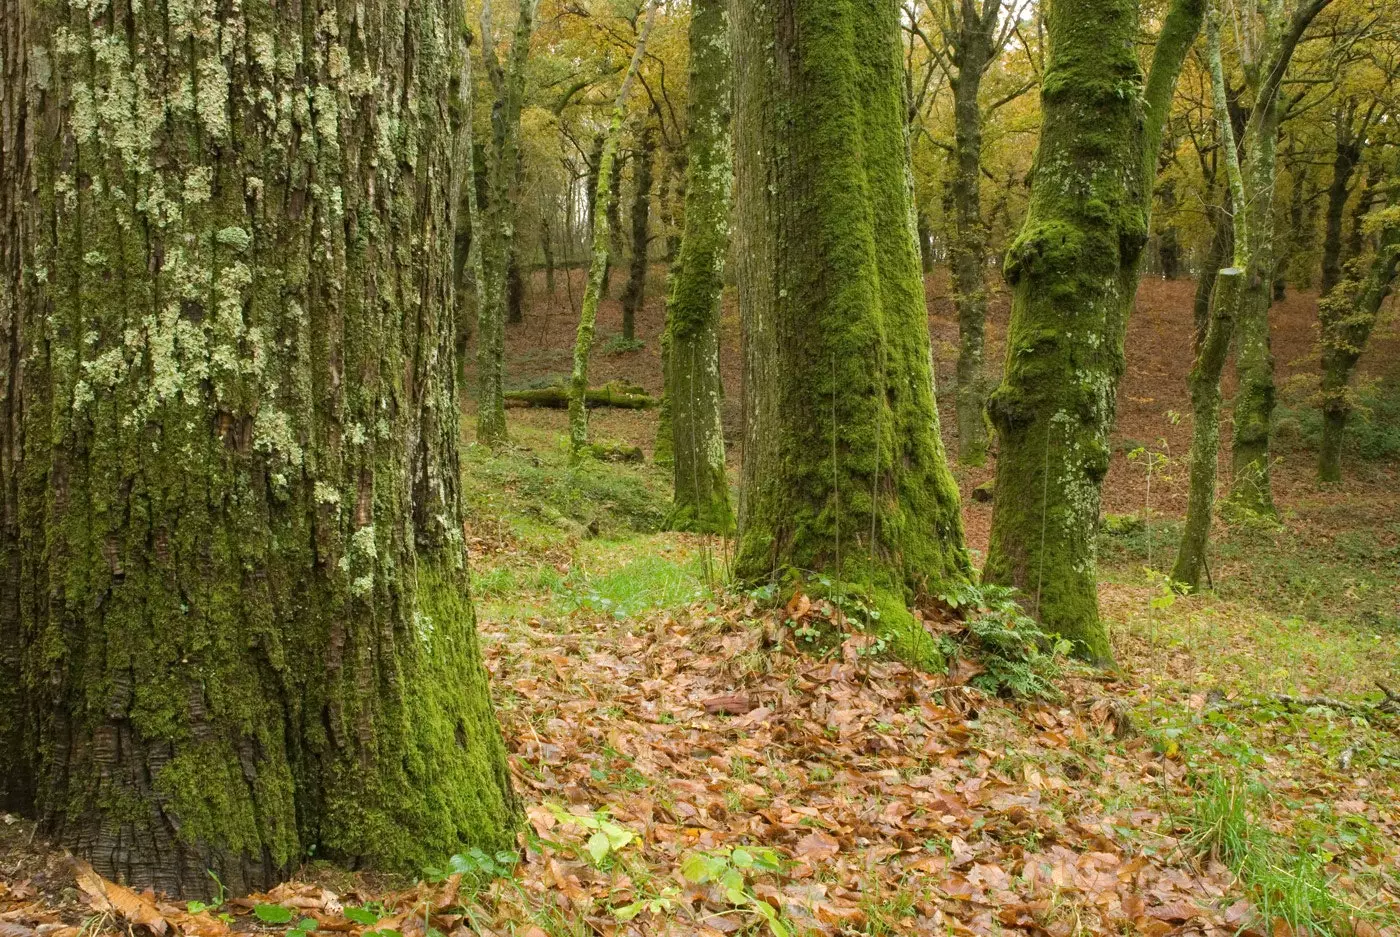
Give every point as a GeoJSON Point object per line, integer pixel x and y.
{"type": "Point", "coordinates": [621, 345]}
{"type": "Point", "coordinates": [733, 869]}
{"type": "Point", "coordinates": [643, 584]}
{"type": "Point", "coordinates": [606, 838]}
{"type": "Point", "coordinates": [1373, 429]}
{"type": "Point", "coordinates": [1020, 659]}
{"type": "Point", "coordinates": [272, 914]}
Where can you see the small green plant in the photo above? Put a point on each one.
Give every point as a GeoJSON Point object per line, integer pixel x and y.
{"type": "Point", "coordinates": [1020, 659]}
{"type": "Point", "coordinates": [619, 345]}
{"type": "Point", "coordinates": [607, 839]}
{"type": "Point", "coordinates": [657, 904]}
{"type": "Point", "coordinates": [475, 865]}
{"type": "Point", "coordinates": [733, 868]}
{"type": "Point", "coordinates": [220, 896]}
{"type": "Point", "coordinates": [272, 914]}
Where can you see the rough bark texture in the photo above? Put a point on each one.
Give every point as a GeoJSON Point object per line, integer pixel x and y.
{"type": "Point", "coordinates": [701, 501]}
{"type": "Point", "coordinates": [498, 221]}
{"type": "Point", "coordinates": [635, 290]}
{"type": "Point", "coordinates": [1348, 314]}
{"type": "Point", "coordinates": [232, 544]}
{"type": "Point", "coordinates": [844, 471]}
{"type": "Point", "coordinates": [1074, 270]}
{"type": "Point", "coordinates": [972, 54]}
{"type": "Point", "coordinates": [598, 264]}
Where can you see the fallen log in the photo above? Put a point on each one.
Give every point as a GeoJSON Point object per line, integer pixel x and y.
{"type": "Point", "coordinates": [611, 394]}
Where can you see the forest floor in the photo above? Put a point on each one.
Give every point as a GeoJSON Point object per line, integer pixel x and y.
{"type": "Point", "coordinates": [688, 768]}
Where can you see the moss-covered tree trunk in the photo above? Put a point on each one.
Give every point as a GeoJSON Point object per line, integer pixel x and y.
{"type": "Point", "coordinates": [1250, 489]}
{"type": "Point", "coordinates": [1348, 314]}
{"type": "Point", "coordinates": [1213, 347]}
{"type": "Point", "coordinates": [693, 390]}
{"type": "Point", "coordinates": [233, 549]}
{"type": "Point", "coordinates": [601, 241]}
{"type": "Point", "coordinates": [1074, 270]}
{"type": "Point", "coordinates": [635, 290]}
{"type": "Point", "coordinates": [501, 293]}
{"type": "Point", "coordinates": [844, 471]}
{"type": "Point", "coordinates": [972, 53]}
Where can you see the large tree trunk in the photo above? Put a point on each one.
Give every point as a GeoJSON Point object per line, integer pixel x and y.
{"type": "Point", "coordinates": [1344, 162]}
{"type": "Point", "coordinates": [1074, 271]}
{"type": "Point", "coordinates": [975, 36]}
{"type": "Point", "coordinates": [635, 290]}
{"type": "Point", "coordinates": [844, 470]}
{"type": "Point", "coordinates": [232, 547]}
{"type": "Point", "coordinates": [701, 501]}
{"type": "Point", "coordinates": [1348, 314]}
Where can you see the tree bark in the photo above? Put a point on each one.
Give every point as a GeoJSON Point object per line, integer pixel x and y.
{"type": "Point", "coordinates": [1214, 345]}
{"type": "Point", "coordinates": [1348, 314]}
{"type": "Point", "coordinates": [635, 290]}
{"type": "Point", "coordinates": [598, 264]}
{"type": "Point", "coordinates": [972, 53]}
{"type": "Point", "coordinates": [500, 294]}
{"type": "Point", "coordinates": [845, 477]}
{"type": "Point", "coordinates": [1074, 270]}
{"type": "Point", "coordinates": [694, 394]}
{"type": "Point", "coordinates": [232, 544]}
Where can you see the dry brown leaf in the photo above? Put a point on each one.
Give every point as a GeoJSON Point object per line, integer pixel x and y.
{"type": "Point", "coordinates": [117, 899]}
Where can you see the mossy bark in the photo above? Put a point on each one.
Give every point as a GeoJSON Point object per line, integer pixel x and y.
{"type": "Point", "coordinates": [500, 294]}
{"type": "Point", "coordinates": [972, 40]}
{"type": "Point", "coordinates": [845, 475]}
{"type": "Point", "coordinates": [233, 549]}
{"type": "Point", "coordinates": [635, 290]}
{"type": "Point", "coordinates": [701, 491]}
{"type": "Point", "coordinates": [1348, 314]}
{"type": "Point", "coordinates": [598, 264]}
{"type": "Point", "coordinates": [1073, 270]}
{"type": "Point", "coordinates": [1251, 490]}
{"type": "Point", "coordinates": [1214, 345]}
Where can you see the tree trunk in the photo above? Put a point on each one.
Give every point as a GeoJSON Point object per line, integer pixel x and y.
{"type": "Point", "coordinates": [515, 290]}
{"type": "Point", "coordinates": [969, 245]}
{"type": "Point", "coordinates": [635, 290]}
{"type": "Point", "coordinates": [1348, 314]}
{"type": "Point", "coordinates": [547, 248]}
{"type": "Point", "coordinates": [232, 543]}
{"type": "Point", "coordinates": [1221, 246]}
{"type": "Point", "coordinates": [1074, 271]}
{"type": "Point", "coordinates": [501, 293]}
{"type": "Point", "coordinates": [701, 501]}
{"type": "Point", "coordinates": [844, 471]}
{"type": "Point", "coordinates": [1214, 345]}
{"type": "Point", "coordinates": [598, 264]}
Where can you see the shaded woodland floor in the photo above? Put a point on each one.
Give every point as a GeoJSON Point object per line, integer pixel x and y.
{"type": "Point", "coordinates": [690, 768]}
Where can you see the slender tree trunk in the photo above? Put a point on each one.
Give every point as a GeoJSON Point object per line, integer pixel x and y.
{"type": "Point", "coordinates": [500, 296]}
{"type": "Point", "coordinates": [1214, 346]}
{"type": "Point", "coordinates": [612, 211]}
{"type": "Point", "coordinates": [1221, 246]}
{"type": "Point", "coordinates": [598, 264]}
{"type": "Point", "coordinates": [1348, 314]}
{"type": "Point", "coordinates": [969, 245]}
{"type": "Point", "coordinates": [232, 543]}
{"type": "Point", "coordinates": [1344, 162]}
{"type": "Point", "coordinates": [1073, 271]}
{"type": "Point", "coordinates": [701, 501]}
{"type": "Point", "coordinates": [635, 290]}
{"type": "Point", "coordinates": [845, 475]}
{"type": "Point", "coordinates": [547, 248]}
{"type": "Point", "coordinates": [515, 290]}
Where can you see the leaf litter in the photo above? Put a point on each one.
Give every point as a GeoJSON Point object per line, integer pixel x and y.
{"type": "Point", "coordinates": [695, 773]}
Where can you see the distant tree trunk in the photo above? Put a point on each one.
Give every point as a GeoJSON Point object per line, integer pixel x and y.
{"type": "Point", "coordinates": [598, 263]}
{"type": "Point", "coordinates": [635, 290]}
{"type": "Point", "coordinates": [1221, 246]}
{"type": "Point", "coordinates": [547, 248]}
{"type": "Point", "coordinates": [701, 499]}
{"type": "Point", "coordinates": [925, 233]}
{"type": "Point", "coordinates": [1296, 237]}
{"type": "Point", "coordinates": [972, 42]}
{"type": "Point", "coordinates": [1214, 345]}
{"type": "Point", "coordinates": [1074, 271]}
{"type": "Point", "coordinates": [1345, 159]}
{"type": "Point", "coordinates": [1168, 241]}
{"type": "Point", "coordinates": [1251, 489]}
{"type": "Point", "coordinates": [515, 290]}
{"type": "Point", "coordinates": [231, 534]}
{"type": "Point", "coordinates": [1348, 314]}
{"type": "Point", "coordinates": [498, 301]}
{"type": "Point", "coordinates": [845, 476]}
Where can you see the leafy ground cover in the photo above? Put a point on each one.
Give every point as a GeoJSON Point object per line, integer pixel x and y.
{"type": "Point", "coordinates": [690, 765]}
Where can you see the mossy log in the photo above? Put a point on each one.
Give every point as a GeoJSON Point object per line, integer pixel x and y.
{"type": "Point", "coordinates": [611, 394]}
